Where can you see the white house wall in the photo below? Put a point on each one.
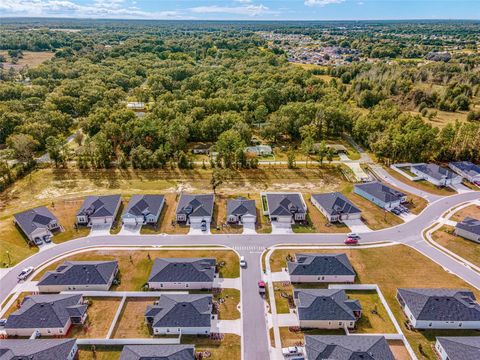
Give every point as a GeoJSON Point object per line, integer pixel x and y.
{"type": "Point", "coordinates": [180, 285]}
{"type": "Point", "coordinates": [322, 279]}
{"type": "Point", "coordinates": [181, 330]}
{"type": "Point", "coordinates": [467, 235]}
{"type": "Point", "coordinates": [326, 324]}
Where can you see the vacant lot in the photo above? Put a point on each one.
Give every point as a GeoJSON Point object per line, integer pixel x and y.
{"type": "Point", "coordinates": [30, 59]}
{"type": "Point", "coordinates": [227, 348]}
{"type": "Point", "coordinates": [422, 184]}
{"type": "Point", "coordinates": [131, 323]}
{"type": "Point", "coordinates": [391, 268]}
{"type": "Point", "coordinates": [472, 211]}
{"type": "Point", "coordinates": [99, 352]}
{"type": "Point", "coordinates": [469, 250]}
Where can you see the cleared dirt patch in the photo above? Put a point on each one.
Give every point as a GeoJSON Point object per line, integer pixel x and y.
{"type": "Point", "coordinates": [30, 59]}
{"type": "Point", "coordinates": [131, 323]}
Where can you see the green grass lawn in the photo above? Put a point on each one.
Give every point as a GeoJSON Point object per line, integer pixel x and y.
{"type": "Point", "coordinates": [422, 184]}
{"type": "Point", "coordinates": [227, 348]}
{"type": "Point", "coordinates": [467, 249]}
{"type": "Point", "coordinates": [97, 352]}
{"type": "Point", "coordinates": [227, 307]}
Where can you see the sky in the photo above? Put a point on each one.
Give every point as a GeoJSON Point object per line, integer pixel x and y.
{"type": "Point", "coordinates": [244, 9]}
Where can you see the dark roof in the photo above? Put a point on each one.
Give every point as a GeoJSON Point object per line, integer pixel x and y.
{"type": "Point", "coordinates": [158, 352]}
{"type": "Point", "coordinates": [241, 206]}
{"type": "Point", "coordinates": [46, 311]}
{"type": "Point", "coordinates": [36, 349]}
{"type": "Point", "coordinates": [190, 310]}
{"type": "Point", "coordinates": [284, 203]}
{"type": "Point", "coordinates": [320, 264]}
{"type": "Point", "coordinates": [347, 347]}
{"type": "Point", "coordinates": [80, 273]}
{"type": "Point", "coordinates": [381, 191]}
{"type": "Point", "coordinates": [441, 304]}
{"type": "Point", "coordinates": [469, 224]}
{"type": "Point", "coordinates": [336, 203]}
{"type": "Point", "coordinates": [33, 219]}
{"type": "Point", "coordinates": [183, 270]}
{"type": "Point", "coordinates": [435, 171]}
{"type": "Point", "coordinates": [143, 205]}
{"type": "Point", "coordinates": [467, 167]}
{"type": "Point", "coordinates": [99, 206]}
{"type": "Point", "coordinates": [325, 304]}
{"type": "Point", "coordinates": [461, 347]}
{"type": "Point", "coordinates": [195, 205]}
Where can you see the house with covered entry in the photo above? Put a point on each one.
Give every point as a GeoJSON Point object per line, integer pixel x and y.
{"type": "Point", "coordinates": [99, 210]}
{"type": "Point", "coordinates": [440, 308]}
{"type": "Point", "coordinates": [37, 223]}
{"type": "Point", "coordinates": [380, 194]}
{"type": "Point", "coordinates": [158, 352]}
{"type": "Point", "coordinates": [79, 276]}
{"type": "Point", "coordinates": [49, 315]}
{"type": "Point", "coordinates": [328, 268]}
{"type": "Point", "coordinates": [326, 309]}
{"type": "Point", "coordinates": [336, 207]}
{"type": "Point", "coordinates": [193, 209]}
{"type": "Point", "coordinates": [38, 349]}
{"type": "Point", "coordinates": [436, 174]}
{"type": "Point", "coordinates": [467, 169]}
{"type": "Point", "coordinates": [284, 208]}
{"type": "Point", "coordinates": [458, 347]}
{"type": "Point", "coordinates": [182, 273]}
{"type": "Point", "coordinates": [241, 211]}
{"type": "Point", "coordinates": [188, 314]}
{"type": "Point", "coordinates": [468, 228]}
{"type": "Point", "coordinates": [143, 209]}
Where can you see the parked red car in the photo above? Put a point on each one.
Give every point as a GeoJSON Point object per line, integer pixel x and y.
{"type": "Point", "coordinates": [351, 241]}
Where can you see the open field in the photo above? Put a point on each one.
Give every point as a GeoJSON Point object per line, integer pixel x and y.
{"type": "Point", "coordinates": [472, 211]}
{"type": "Point", "coordinates": [227, 348]}
{"type": "Point", "coordinates": [422, 184]}
{"type": "Point", "coordinates": [228, 305]}
{"type": "Point", "coordinates": [135, 266]}
{"type": "Point", "coordinates": [467, 249]}
{"type": "Point", "coordinates": [30, 59]}
{"type": "Point", "coordinates": [101, 312]}
{"type": "Point", "coordinates": [99, 352]}
{"type": "Point", "coordinates": [444, 118]}
{"type": "Point", "coordinates": [391, 268]}
{"type": "Point", "coordinates": [131, 323]}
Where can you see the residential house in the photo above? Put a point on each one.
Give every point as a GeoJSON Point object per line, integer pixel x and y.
{"type": "Point", "coordinates": [468, 228]}
{"type": "Point", "coordinates": [188, 314]}
{"type": "Point", "coordinates": [194, 209]}
{"type": "Point", "coordinates": [99, 210]}
{"type": "Point", "coordinates": [440, 308]}
{"type": "Point", "coordinates": [182, 273]}
{"type": "Point", "coordinates": [326, 309]}
{"type": "Point", "coordinates": [50, 315]}
{"type": "Point", "coordinates": [36, 349]}
{"type": "Point", "coordinates": [285, 207]}
{"type": "Point", "coordinates": [329, 268]}
{"type": "Point", "coordinates": [337, 148]}
{"type": "Point", "coordinates": [201, 149]}
{"type": "Point", "coordinates": [260, 150]}
{"type": "Point", "coordinates": [336, 207]}
{"type": "Point", "coordinates": [241, 211]}
{"type": "Point", "coordinates": [436, 175]}
{"type": "Point", "coordinates": [158, 352]}
{"type": "Point", "coordinates": [136, 106]}
{"type": "Point", "coordinates": [347, 347]}
{"type": "Point", "coordinates": [143, 209]}
{"type": "Point", "coordinates": [79, 276]}
{"type": "Point", "coordinates": [468, 170]}
{"type": "Point", "coordinates": [380, 194]}
{"type": "Point", "coordinates": [458, 347]}
{"type": "Point", "coordinates": [37, 223]}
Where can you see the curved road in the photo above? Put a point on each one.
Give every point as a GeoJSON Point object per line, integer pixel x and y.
{"type": "Point", "coordinates": [255, 343]}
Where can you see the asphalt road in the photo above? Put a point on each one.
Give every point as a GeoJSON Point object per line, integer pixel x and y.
{"type": "Point", "coordinates": [253, 314]}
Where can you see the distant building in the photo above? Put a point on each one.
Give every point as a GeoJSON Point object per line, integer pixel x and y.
{"type": "Point", "coordinates": [158, 352]}
{"type": "Point", "coordinates": [260, 150]}
{"type": "Point", "coordinates": [436, 175]}
{"type": "Point", "coordinates": [336, 207]}
{"type": "Point", "coordinates": [201, 148]}
{"type": "Point", "coordinates": [468, 170]}
{"type": "Point", "coordinates": [36, 349]}
{"type": "Point", "coordinates": [285, 207]}
{"type": "Point", "coordinates": [337, 148]}
{"type": "Point", "coordinates": [468, 228]}
{"type": "Point", "coordinates": [329, 268]}
{"type": "Point", "coordinates": [99, 210]}
{"type": "Point", "coordinates": [380, 194]}
{"type": "Point", "coordinates": [241, 211]}
{"type": "Point", "coordinates": [194, 209]}
{"type": "Point", "coordinates": [37, 223]}
{"type": "Point", "coordinates": [143, 209]}
{"type": "Point", "coordinates": [136, 106]}
{"type": "Point", "coordinates": [458, 347]}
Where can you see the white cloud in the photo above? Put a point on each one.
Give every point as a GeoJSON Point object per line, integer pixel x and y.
{"type": "Point", "coordinates": [249, 10]}
{"type": "Point", "coordinates": [243, 1]}
{"type": "Point", "coordinates": [322, 2]}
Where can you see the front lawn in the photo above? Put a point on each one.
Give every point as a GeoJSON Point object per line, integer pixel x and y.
{"type": "Point", "coordinates": [467, 249]}
{"type": "Point", "coordinates": [228, 300]}
{"type": "Point", "coordinates": [422, 184]}
{"type": "Point", "coordinates": [227, 348]}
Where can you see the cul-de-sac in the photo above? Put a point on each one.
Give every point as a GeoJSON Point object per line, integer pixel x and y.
{"type": "Point", "coordinates": [191, 189]}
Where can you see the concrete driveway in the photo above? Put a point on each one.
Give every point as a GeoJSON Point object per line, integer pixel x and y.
{"type": "Point", "coordinates": [130, 229]}
{"type": "Point", "coordinates": [232, 283]}
{"type": "Point", "coordinates": [281, 228]}
{"type": "Point", "coordinates": [100, 230]}
{"type": "Point", "coordinates": [249, 228]}
{"type": "Point", "coordinates": [286, 320]}
{"type": "Point", "coordinates": [227, 326]}
{"type": "Point", "coordinates": [280, 276]}
{"type": "Point", "coordinates": [460, 188]}
{"type": "Point", "coordinates": [357, 225]}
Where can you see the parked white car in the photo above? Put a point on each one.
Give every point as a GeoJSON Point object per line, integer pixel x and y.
{"type": "Point", "coordinates": [292, 352]}
{"type": "Point", "coordinates": [243, 263]}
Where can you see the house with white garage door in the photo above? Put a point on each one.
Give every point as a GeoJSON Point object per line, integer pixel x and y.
{"type": "Point", "coordinates": [436, 174]}
{"type": "Point", "coordinates": [468, 170]}
{"type": "Point", "coordinates": [458, 347]}
{"type": "Point", "coordinates": [380, 194]}
{"type": "Point", "coordinates": [241, 211]}
{"type": "Point", "coordinates": [195, 209]}
{"type": "Point", "coordinates": [284, 208]}
{"type": "Point", "coordinates": [329, 268]}
{"type": "Point", "coordinates": [336, 207]}
{"type": "Point", "coordinates": [99, 210]}
{"type": "Point", "coordinates": [143, 209]}
{"type": "Point", "coordinates": [468, 228]}
{"type": "Point", "coordinates": [37, 223]}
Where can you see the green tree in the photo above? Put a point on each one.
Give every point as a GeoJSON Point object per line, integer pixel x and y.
{"type": "Point", "coordinates": [23, 146]}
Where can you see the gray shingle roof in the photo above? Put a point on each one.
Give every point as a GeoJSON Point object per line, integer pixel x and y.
{"type": "Point", "coordinates": [36, 349]}
{"type": "Point", "coordinates": [284, 203]}
{"type": "Point", "coordinates": [325, 304]}
{"type": "Point", "coordinates": [195, 205]}
{"type": "Point", "coordinates": [320, 264]}
{"type": "Point", "coordinates": [381, 191]}
{"type": "Point", "coordinates": [158, 352]}
{"type": "Point", "coordinates": [461, 347]}
{"type": "Point", "coordinates": [183, 270]}
{"type": "Point", "coordinates": [99, 206]}
{"type": "Point", "coordinates": [191, 310]}
{"type": "Point", "coordinates": [45, 311]}
{"type": "Point", "coordinates": [143, 205]}
{"type": "Point", "coordinates": [80, 273]}
{"type": "Point", "coordinates": [467, 167]}
{"type": "Point", "coordinates": [241, 206]}
{"type": "Point", "coordinates": [345, 347]}
{"type": "Point", "coordinates": [469, 224]}
{"type": "Point", "coordinates": [435, 171]}
{"type": "Point", "coordinates": [441, 304]}
{"type": "Point", "coordinates": [33, 219]}
{"type": "Point", "coordinates": [336, 203]}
